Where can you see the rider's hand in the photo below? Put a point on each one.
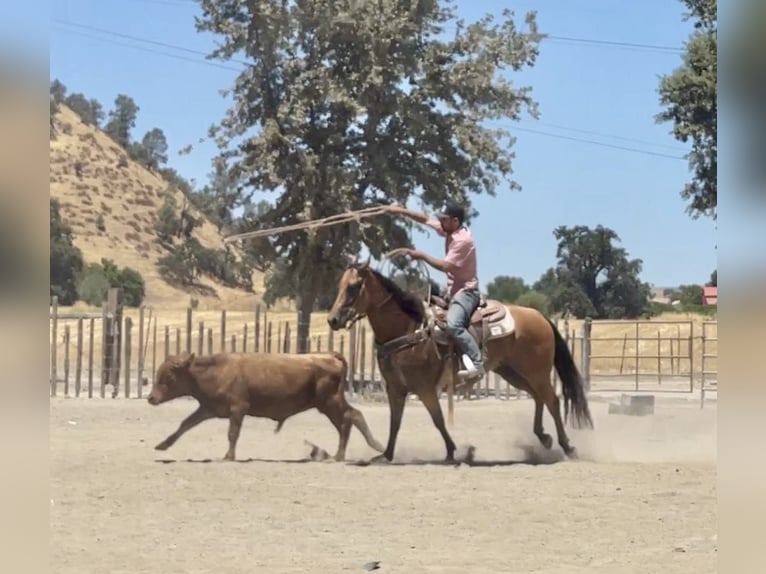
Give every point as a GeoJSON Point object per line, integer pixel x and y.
{"type": "Point", "coordinates": [397, 209]}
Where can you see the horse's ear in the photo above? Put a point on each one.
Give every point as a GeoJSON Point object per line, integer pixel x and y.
{"type": "Point", "coordinates": [366, 264]}
{"type": "Point", "coordinates": [352, 260]}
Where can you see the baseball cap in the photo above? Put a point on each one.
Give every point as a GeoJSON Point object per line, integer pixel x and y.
{"type": "Point", "coordinates": [452, 209]}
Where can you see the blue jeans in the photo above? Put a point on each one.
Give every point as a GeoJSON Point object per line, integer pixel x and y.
{"type": "Point", "coordinates": [461, 307]}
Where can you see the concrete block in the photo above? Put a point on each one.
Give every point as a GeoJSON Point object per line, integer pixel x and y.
{"type": "Point", "coordinates": [633, 405]}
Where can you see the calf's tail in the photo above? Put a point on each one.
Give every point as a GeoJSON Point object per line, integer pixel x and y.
{"type": "Point", "coordinates": [343, 373]}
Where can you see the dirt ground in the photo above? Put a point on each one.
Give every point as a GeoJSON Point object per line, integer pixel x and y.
{"type": "Point", "coordinates": [642, 497]}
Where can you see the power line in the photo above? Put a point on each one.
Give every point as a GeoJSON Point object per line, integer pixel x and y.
{"type": "Point", "coordinates": [616, 44]}
{"type": "Point", "coordinates": [611, 136]}
{"type": "Point", "coordinates": [602, 144]}
{"type": "Point", "coordinates": [235, 69]}
{"type": "Point", "coordinates": [568, 40]}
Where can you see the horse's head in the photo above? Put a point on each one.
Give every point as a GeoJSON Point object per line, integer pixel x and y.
{"type": "Point", "coordinates": [352, 300]}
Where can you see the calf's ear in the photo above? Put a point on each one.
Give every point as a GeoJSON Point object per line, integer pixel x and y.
{"type": "Point", "coordinates": [186, 362]}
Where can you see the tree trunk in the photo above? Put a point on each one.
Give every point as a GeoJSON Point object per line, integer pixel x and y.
{"type": "Point", "coordinates": [305, 307]}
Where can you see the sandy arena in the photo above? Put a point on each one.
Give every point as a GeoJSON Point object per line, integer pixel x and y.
{"type": "Point", "coordinates": [642, 499]}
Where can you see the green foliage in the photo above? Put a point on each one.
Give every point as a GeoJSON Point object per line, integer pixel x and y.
{"type": "Point", "coordinates": [179, 266]}
{"type": "Point", "coordinates": [690, 295]}
{"type": "Point", "coordinates": [689, 96]}
{"type": "Point", "coordinates": [185, 262]}
{"type": "Point", "coordinates": [713, 279]}
{"type": "Point", "coordinates": [506, 289]}
{"type": "Point", "coordinates": [57, 91]}
{"type": "Point", "coordinates": [152, 151]}
{"type": "Point", "coordinates": [93, 286]}
{"type": "Point", "coordinates": [594, 277]}
{"type": "Point", "coordinates": [65, 259]}
{"type": "Point", "coordinates": [90, 111]}
{"type": "Point", "coordinates": [95, 281]}
{"type": "Point", "coordinates": [167, 225]}
{"type": "Point", "coordinates": [348, 103]}
{"type": "Point", "coordinates": [122, 119]}
{"type": "Point", "coordinates": [536, 300]}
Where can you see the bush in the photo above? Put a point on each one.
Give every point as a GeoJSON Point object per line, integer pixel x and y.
{"type": "Point", "coordinates": [536, 300]}
{"type": "Point", "coordinates": [93, 285]}
{"type": "Point", "coordinates": [96, 280]}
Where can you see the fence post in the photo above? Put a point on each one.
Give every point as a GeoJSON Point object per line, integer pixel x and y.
{"type": "Point", "coordinates": [223, 330]}
{"type": "Point", "coordinates": [128, 353]}
{"type": "Point", "coordinates": [587, 328]}
{"type": "Point", "coordinates": [257, 333]}
{"type": "Point", "coordinates": [141, 355]}
{"type": "Point", "coordinates": [113, 347]}
{"type": "Point", "coordinates": [691, 353]}
{"type": "Point", "coordinates": [66, 360]}
{"type": "Point", "coordinates": [352, 358]}
{"type": "Point", "coordinates": [91, 340]}
{"type": "Point", "coordinates": [54, 345]}
{"type": "Point", "coordinates": [189, 330]}
{"type": "Point", "coordinates": [78, 360]}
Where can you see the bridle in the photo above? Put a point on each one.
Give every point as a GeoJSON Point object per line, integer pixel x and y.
{"type": "Point", "coordinates": [358, 315]}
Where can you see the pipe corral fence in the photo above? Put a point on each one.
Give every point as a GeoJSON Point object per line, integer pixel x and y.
{"type": "Point", "coordinates": [116, 352]}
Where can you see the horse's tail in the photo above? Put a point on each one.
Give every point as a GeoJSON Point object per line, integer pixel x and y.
{"type": "Point", "coordinates": [571, 383]}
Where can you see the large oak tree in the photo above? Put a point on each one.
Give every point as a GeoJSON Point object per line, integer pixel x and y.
{"type": "Point", "coordinates": [689, 96]}
{"type": "Point", "coordinates": [344, 103]}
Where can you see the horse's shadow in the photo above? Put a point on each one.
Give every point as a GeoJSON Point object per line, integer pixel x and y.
{"type": "Point", "coordinates": [532, 457]}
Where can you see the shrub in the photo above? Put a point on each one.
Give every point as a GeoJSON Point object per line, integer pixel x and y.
{"type": "Point", "coordinates": [536, 300]}
{"type": "Point", "coordinates": [96, 280]}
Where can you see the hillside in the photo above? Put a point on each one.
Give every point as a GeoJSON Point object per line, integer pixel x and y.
{"type": "Point", "coordinates": [92, 176]}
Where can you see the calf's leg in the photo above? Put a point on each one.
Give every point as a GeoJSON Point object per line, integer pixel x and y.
{"type": "Point", "coordinates": [236, 416]}
{"type": "Point", "coordinates": [198, 416]}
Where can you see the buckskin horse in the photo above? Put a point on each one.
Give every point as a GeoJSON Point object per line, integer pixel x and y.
{"type": "Point", "coordinates": [520, 344]}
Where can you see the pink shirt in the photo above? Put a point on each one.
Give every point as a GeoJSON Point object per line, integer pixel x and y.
{"type": "Point", "coordinates": [461, 252]}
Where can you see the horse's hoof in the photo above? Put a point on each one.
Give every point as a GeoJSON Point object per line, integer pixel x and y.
{"type": "Point", "coordinates": [571, 452]}
{"type": "Point", "coordinates": [547, 441]}
{"type": "Point", "coordinates": [380, 459]}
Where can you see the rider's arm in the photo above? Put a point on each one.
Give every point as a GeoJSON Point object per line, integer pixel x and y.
{"type": "Point", "coordinates": [459, 251]}
{"type": "Point", "coordinates": [420, 218]}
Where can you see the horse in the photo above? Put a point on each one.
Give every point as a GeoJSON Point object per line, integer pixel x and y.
{"type": "Point", "coordinates": [519, 343]}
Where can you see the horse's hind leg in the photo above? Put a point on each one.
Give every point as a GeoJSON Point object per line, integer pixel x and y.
{"type": "Point", "coordinates": [537, 426]}
{"type": "Point", "coordinates": [548, 396]}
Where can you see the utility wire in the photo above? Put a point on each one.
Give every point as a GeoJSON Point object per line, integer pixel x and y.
{"type": "Point", "coordinates": [235, 69]}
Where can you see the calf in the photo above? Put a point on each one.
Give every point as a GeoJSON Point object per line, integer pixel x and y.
{"type": "Point", "coordinates": [275, 386]}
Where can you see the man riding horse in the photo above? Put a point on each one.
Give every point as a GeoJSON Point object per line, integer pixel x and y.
{"type": "Point", "coordinates": [460, 266]}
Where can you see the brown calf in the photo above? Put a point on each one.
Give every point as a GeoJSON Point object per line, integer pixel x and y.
{"type": "Point", "coordinates": [275, 386]}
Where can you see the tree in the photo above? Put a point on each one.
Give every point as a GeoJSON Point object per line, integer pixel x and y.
{"type": "Point", "coordinates": [506, 289]}
{"type": "Point", "coordinates": [66, 258]}
{"type": "Point", "coordinates": [689, 95]}
{"type": "Point", "coordinates": [58, 91]}
{"type": "Point", "coordinates": [90, 111]}
{"type": "Point", "coordinates": [713, 279]}
{"type": "Point", "coordinates": [152, 152]}
{"type": "Point", "coordinates": [347, 103]}
{"type": "Point", "coordinates": [122, 119]}
{"type": "Point", "coordinates": [594, 277]}
{"type": "Point", "coordinates": [690, 295]}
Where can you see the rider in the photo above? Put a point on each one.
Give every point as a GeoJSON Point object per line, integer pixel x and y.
{"type": "Point", "coordinates": [462, 282]}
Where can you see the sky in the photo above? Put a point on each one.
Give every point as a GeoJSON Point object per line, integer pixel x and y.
{"type": "Point", "coordinates": [594, 98]}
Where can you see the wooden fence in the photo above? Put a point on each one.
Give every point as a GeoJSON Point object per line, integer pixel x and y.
{"type": "Point", "coordinates": [116, 352]}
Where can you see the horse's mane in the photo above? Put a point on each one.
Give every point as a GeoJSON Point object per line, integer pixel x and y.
{"type": "Point", "coordinates": [409, 303]}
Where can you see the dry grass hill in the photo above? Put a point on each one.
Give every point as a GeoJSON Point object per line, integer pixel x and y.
{"type": "Point", "coordinates": [92, 176]}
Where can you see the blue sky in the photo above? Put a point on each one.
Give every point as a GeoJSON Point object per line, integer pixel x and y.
{"type": "Point", "coordinates": [609, 91]}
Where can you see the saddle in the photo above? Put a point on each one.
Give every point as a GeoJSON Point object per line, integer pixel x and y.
{"type": "Point", "coordinates": [488, 314]}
